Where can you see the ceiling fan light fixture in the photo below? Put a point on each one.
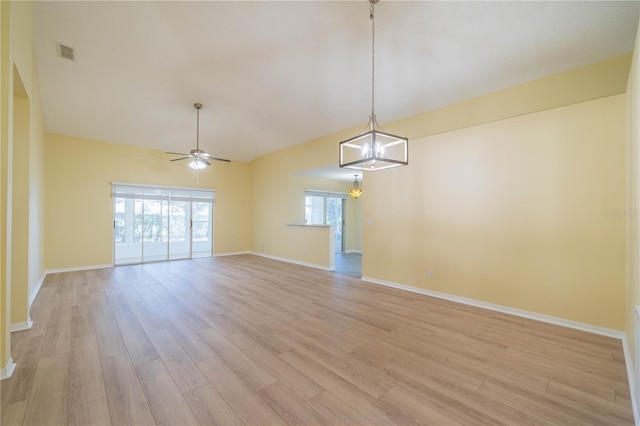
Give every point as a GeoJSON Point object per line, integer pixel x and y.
{"type": "Point", "coordinates": [199, 164]}
{"type": "Point", "coordinates": [197, 157]}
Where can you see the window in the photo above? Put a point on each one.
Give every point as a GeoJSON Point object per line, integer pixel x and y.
{"type": "Point", "coordinates": [119, 232]}
{"type": "Point", "coordinates": [157, 224]}
{"type": "Point", "coordinates": [326, 208]}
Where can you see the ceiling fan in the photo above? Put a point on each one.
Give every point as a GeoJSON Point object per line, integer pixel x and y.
{"type": "Point", "coordinates": [199, 158]}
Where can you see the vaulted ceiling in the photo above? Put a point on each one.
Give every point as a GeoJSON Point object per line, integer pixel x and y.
{"type": "Point", "coordinates": [275, 74]}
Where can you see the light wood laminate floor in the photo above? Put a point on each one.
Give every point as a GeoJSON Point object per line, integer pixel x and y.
{"type": "Point", "coordinates": [248, 340]}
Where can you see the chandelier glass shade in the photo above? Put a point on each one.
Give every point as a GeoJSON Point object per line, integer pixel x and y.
{"type": "Point", "coordinates": [355, 192]}
{"type": "Point", "coordinates": [374, 149]}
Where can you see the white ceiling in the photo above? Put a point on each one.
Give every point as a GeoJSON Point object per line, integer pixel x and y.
{"type": "Point", "coordinates": [275, 74]}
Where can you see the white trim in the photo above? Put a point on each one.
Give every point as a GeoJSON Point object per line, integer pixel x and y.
{"type": "Point", "coordinates": [354, 251]}
{"type": "Point", "coordinates": [231, 253]}
{"type": "Point", "coordinates": [20, 326]}
{"type": "Point", "coordinates": [504, 309]}
{"type": "Point", "coordinates": [328, 194]}
{"type": "Point", "coordinates": [297, 262]}
{"type": "Point", "coordinates": [77, 268]}
{"type": "Point", "coordinates": [8, 370]}
{"type": "Point", "coordinates": [162, 186]}
{"type": "Point", "coordinates": [36, 290]}
{"type": "Point", "coordinates": [634, 387]}
{"type": "Point", "coordinates": [630, 377]}
{"type": "Point", "coordinates": [310, 226]}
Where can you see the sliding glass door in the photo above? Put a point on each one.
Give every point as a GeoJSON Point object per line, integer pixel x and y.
{"type": "Point", "coordinates": [201, 229]}
{"type": "Point", "coordinates": [153, 224]}
{"type": "Point", "coordinates": [335, 213]}
{"type": "Point", "coordinates": [180, 234]}
{"type": "Point", "coordinates": [127, 242]}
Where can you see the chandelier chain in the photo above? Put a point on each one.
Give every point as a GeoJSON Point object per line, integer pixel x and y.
{"type": "Point", "coordinates": [373, 57]}
{"type": "Point", "coordinates": [198, 128]}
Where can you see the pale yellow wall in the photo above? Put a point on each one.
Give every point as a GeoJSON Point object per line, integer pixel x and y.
{"type": "Point", "coordinates": [531, 126]}
{"type": "Point", "coordinates": [21, 179]}
{"type": "Point", "coordinates": [20, 211]}
{"type": "Point", "coordinates": [36, 188]}
{"type": "Point", "coordinates": [269, 173]}
{"type": "Point", "coordinates": [19, 81]}
{"type": "Point", "coordinates": [79, 173]}
{"type": "Point", "coordinates": [633, 199]}
{"type": "Point", "coordinates": [309, 245]}
{"type": "Point", "coordinates": [522, 212]}
{"type": "Point", "coordinates": [5, 291]}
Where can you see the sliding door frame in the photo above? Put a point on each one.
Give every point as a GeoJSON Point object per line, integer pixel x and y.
{"type": "Point", "coordinates": [162, 194]}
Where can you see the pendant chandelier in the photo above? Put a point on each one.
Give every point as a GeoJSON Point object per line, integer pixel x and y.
{"type": "Point", "coordinates": [356, 191]}
{"type": "Point", "coordinates": [374, 149]}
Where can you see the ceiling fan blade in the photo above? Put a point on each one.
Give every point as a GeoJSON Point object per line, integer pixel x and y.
{"type": "Point", "coordinates": [204, 154]}
{"type": "Point", "coordinates": [176, 153]}
{"type": "Point", "coordinates": [183, 158]}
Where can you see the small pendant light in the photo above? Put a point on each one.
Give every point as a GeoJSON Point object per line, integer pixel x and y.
{"type": "Point", "coordinates": [356, 191]}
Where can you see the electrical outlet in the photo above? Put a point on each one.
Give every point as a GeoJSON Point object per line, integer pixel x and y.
{"type": "Point", "coordinates": [431, 273]}
{"type": "Point", "coordinates": [262, 246]}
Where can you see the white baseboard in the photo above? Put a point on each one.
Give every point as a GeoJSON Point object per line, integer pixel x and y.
{"type": "Point", "coordinates": [504, 309]}
{"type": "Point", "coordinates": [37, 288]}
{"type": "Point", "coordinates": [231, 253]}
{"type": "Point", "coordinates": [630, 377]}
{"type": "Point", "coordinates": [297, 262]}
{"type": "Point", "coordinates": [20, 326]}
{"type": "Point", "coordinates": [77, 268]}
{"type": "Point", "coordinates": [8, 370]}
{"type": "Point", "coordinates": [354, 251]}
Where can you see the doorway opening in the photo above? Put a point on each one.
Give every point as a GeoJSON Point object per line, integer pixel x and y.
{"type": "Point", "coordinates": [326, 208]}
{"type": "Point", "coordinates": [349, 264]}
{"type": "Point", "coordinates": [329, 208]}
{"type": "Point", "coordinates": [157, 224]}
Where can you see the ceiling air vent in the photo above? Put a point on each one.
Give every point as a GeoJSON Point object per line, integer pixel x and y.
{"type": "Point", "coordinates": [65, 51]}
